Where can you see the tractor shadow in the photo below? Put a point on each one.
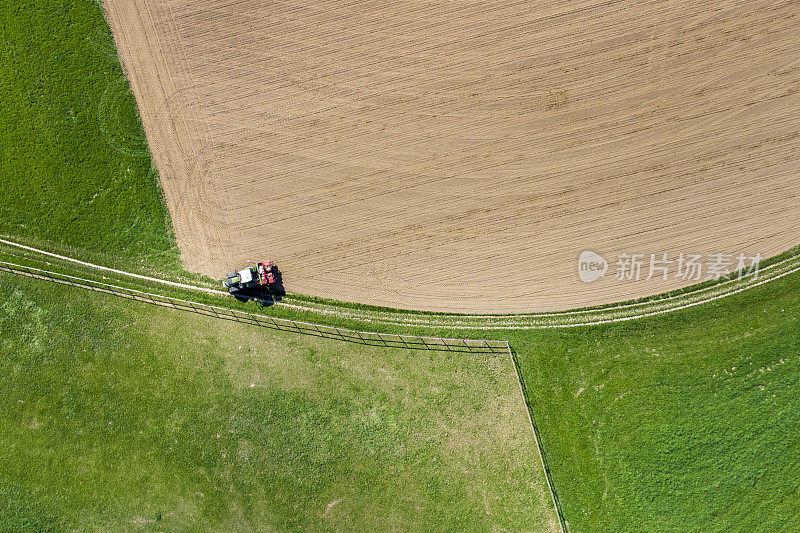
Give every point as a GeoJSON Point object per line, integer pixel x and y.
{"type": "Point", "coordinates": [264, 296]}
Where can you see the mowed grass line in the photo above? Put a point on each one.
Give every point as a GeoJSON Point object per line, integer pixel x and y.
{"type": "Point", "coordinates": [684, 422]}
{"type": "Point", "coordinates": [115, 415]}
{"type": "Point", "coordinates": [75, 169]}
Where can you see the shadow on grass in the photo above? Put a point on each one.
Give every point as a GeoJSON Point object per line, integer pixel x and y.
{"type": "Point", "coordinates": [264, 295]}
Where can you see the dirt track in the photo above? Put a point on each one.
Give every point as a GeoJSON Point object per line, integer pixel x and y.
{"type": "Point", "coordinates": [459, 156]}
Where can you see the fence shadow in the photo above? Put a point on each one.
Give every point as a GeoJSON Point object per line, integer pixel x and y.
{"type": "Point", "coordinates": [366, 338]}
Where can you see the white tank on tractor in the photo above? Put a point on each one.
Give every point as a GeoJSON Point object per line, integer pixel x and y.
{"type": "Point", "coordinates": [260, 276]}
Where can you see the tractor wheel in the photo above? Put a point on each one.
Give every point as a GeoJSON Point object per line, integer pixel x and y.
{"type": "Point", "coordinates": [237, 293]}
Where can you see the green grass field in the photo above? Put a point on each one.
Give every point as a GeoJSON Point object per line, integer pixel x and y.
{"type": "Point", "coordinates": [686, 422]}
{"type": "Point", "coordinates": [75, 169]}
{"type": "Point", "coordinates": [116, 415]}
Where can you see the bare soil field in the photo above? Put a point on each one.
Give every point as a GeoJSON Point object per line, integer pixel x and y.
{"type": "Point", "coordinates": [459, 156]}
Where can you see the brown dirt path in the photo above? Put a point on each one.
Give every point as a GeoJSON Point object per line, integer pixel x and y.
{"type": "Point", "coordinates": [458, 156]}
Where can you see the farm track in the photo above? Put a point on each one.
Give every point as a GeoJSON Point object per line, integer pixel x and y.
{"type": "Point", "coordinates": [452, 345]}
{"type": "Point", "coordinates": [457, 157]}
{"type": "Point", "coordinates": [622, 312]}
{"type": "Point", "coordinates": [589, 317]}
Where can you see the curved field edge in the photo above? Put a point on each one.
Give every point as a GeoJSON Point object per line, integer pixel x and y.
{"type": "Point", "coordinates": [771, 269]}
{"type": "Point", "coordinates": [562, 368]}
{"type": "Point", "coordinates": [75, 184]}
{"type": "Point", "coordinates": [509, 243]}
{"type": "Point", "coordinates": [375, 318]}
{"type": "Point", "coordinates": [75, 167]}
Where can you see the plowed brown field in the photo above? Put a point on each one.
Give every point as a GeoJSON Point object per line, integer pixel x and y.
{"type": "Point", "coordinates": [458, 156]}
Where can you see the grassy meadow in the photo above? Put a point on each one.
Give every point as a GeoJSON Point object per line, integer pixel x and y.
{"type": "Point", "coordinates": [75, 168]}
{"type": "Point", "coordinates": [685, 422]}
{"type": "Point", "coordinates": [119, 416]}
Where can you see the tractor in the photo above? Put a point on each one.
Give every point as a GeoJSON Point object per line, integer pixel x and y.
{"type": "Point", "coordinates": [251, 281]}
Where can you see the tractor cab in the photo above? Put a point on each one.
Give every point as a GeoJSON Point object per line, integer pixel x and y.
{"type": "Point", "coordinates": [246, 276]}
{"type": "Point", "coordinates": [263, 274]}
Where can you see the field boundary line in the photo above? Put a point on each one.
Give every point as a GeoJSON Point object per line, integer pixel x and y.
{"type": "Point", "coordinates": [416, 342]}
{"type": "Point", "coordinates": [108, 269]}
{"type": "Point", "coordinates": [545, 468]}
{"type": "Point", "coordinates": [567, 319]}
{"type": "Point", "coordinates": [368, 338]}
{"type": "Point", "coordinates": [678, 302]}
{"type": "Point", "coordinates": [648, 309]}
